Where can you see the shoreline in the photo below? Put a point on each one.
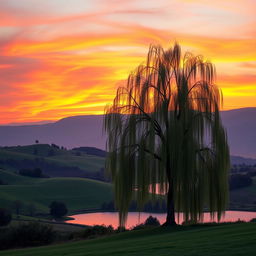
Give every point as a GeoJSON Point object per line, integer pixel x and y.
{"type": "Point", "coordinates": [87, 211]}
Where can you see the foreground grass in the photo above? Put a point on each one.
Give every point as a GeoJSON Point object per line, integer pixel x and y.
{"type": "Point", "coordinates": [230, 239]}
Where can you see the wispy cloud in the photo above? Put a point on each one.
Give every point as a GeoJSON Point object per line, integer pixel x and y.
{"type": "Point", "coordinates": [59, 59]}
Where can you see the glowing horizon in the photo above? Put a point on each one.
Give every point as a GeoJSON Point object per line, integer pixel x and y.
{"type": "Point", "coordinates": [59, 59]}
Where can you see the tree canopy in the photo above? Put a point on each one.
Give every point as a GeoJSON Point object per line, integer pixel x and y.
{"type": "Point", "coordinates": [164, 129]}
{"type": "Point", "coordinates": [58, 209]}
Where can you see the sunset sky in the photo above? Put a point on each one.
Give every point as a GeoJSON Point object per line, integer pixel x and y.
{"type": "Point", "coordinates": [62, 58]}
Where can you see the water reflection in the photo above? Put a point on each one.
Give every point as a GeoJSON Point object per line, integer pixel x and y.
{"type": "Point", "coordinates": [134, 218]}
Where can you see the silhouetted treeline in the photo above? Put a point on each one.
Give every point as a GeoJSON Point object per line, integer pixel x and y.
{"type": "Point", "coordinates": [155, 206]}
{"type": "Point", "coordinates": [92, 151]}
{"type": "Point", "coordinates": [243, 168]}
{"type": "Point", "coordinates": [24, 235]}
{"type": "Point", "coordinates": [5, 217]}
{"type": "Point", "coordinates": [35, 173]}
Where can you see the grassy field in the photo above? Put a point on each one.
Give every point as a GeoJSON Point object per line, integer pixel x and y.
{"type": "Point", "coordinates": [76, 193]}
{"type": "Point", "coordinates": [221, 240]}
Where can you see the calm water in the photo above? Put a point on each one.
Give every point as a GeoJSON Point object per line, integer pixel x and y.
{"type": "Point", "coordinates": [134, 218]}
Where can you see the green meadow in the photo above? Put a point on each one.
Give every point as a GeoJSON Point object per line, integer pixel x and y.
{"type": "Point", "coordinates": [76, 193]}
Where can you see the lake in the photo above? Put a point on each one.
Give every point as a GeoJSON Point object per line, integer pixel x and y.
{"type": "Point", "coordinates": [134, 218]}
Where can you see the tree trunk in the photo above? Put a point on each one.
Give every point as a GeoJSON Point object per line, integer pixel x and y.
{"type": "Point", "coordinates": [170, 218]}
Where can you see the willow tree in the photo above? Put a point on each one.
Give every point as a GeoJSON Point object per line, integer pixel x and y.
{"type": "Point", "coordinates": [164, 130]}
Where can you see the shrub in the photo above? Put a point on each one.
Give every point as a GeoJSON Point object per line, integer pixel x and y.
{"type": "Point", "coordinates": [35, 173]}
{"type": "Point", "coordinates": [152, 221]}
{"type": "Point", "coordinates": [31, 209]}
{"type": "Point", "coordinates": [18, 205]}
{"type": "Point", "coordinates": [58, 209]}
{"type": "Point", "coordinates": [189, 222]}
{"type": "Point", "coordinates": [23, 235]}
{"type": "Point", "coordinates": [5, 217]}
{"type": "Point", "coordinates": [139, 226]}
{"type": "Point", "coordinates": [97, 230]}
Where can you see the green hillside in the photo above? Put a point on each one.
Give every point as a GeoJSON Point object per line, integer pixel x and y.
{"type": "Point", "coordinates": [221, 240]}
{"type": "Point", "coordinates": [76, 193]}
{"type": "Point", "coordinates": [53, 161]}
{"type": "Point", "coordinates": [10, 177]}
{"type": "Point", "coordinates": [61, 156]}
{"type": "Point", "coordinates": [80, 193]}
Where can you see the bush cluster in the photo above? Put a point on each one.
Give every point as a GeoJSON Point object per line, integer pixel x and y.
{"type": "Point", "coordinates": [97, 230]}
{"type": "Point", "coordinates": [35, 173]}
{"type": "Point", "coordinates": [5, 217]}
{"type": "Point", "coordinates": [149, 222]}
{"type": "Point", "coordinates": [24, 235]}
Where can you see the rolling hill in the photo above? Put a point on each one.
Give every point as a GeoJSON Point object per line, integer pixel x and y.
{"type": "Point", "coordinates": [79, 131]}
{"type": "Point", "coordinates": [67, 168]}
{"type": "Point", "coordinates": [77, 193]}
{"type": "Point", "coordinates": [53, 161]}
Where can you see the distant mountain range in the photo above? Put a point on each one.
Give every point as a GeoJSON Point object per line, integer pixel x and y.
{"type": "Point", "coordinates": [241, 130]}
{"type": "Point", "coordinates": [78, 131]}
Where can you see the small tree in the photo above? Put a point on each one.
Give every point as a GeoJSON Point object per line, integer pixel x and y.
{"type": "Point", "coordinates": [18, 206]}
{"type": "Point", "coordinates": [31, 209]}
{"type": "Point", "coordinates": [58, 209]}
{"type": "Point", "coordinates": [5, 217]}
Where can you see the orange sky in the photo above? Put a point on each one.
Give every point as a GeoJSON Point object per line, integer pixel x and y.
{"type": "Point", "coordinates": [61, 58]}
